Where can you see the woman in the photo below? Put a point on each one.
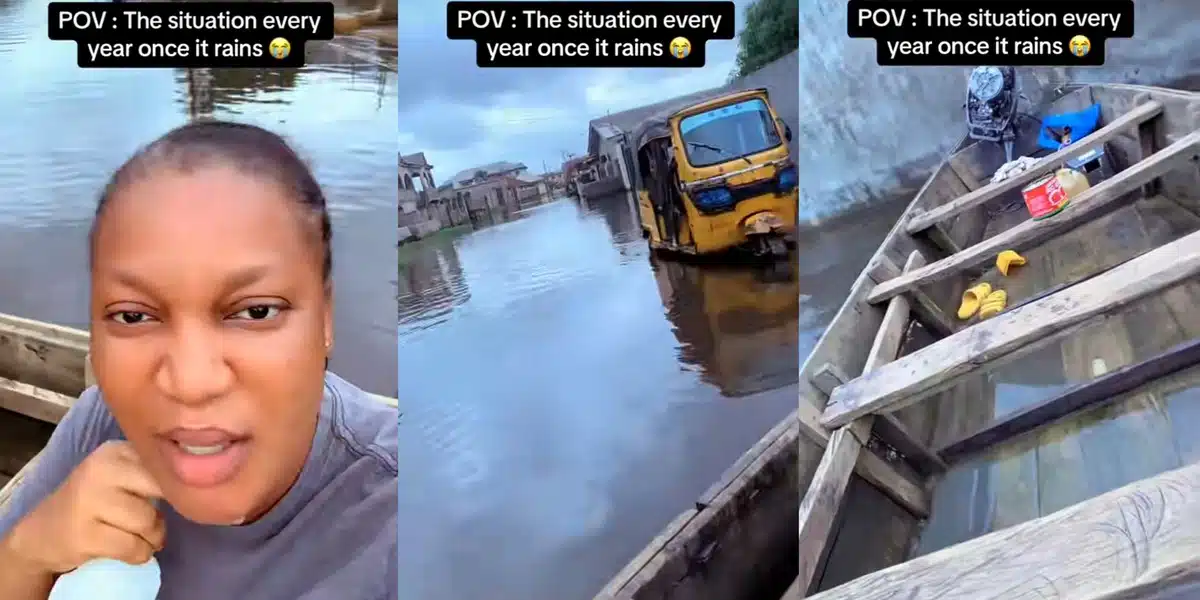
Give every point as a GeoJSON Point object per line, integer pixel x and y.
{"type": "Point", "coordinates": [215, 440]}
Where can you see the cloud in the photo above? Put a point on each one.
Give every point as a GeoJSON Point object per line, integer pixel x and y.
{"type": "Point", "coordinates": [462, 116]}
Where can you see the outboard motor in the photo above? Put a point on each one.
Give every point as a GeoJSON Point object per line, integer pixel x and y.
{"type": "Point", "coordinates": [992, 99]}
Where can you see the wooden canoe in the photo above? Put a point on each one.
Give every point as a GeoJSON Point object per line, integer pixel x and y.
{"type": "Point", "coordinates": [1046, 451]}
{"type": "Point", "coordinates": [43, 369]}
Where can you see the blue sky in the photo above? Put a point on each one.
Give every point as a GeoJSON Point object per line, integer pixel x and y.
{"type": "Point", "coordinates": [462, 116]}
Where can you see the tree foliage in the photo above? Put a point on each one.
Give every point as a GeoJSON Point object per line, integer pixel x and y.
{"type": "Point", "coordinates": [772, 29]}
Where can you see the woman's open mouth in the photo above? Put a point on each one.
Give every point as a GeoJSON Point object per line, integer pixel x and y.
{"type": "Point", "coordinates": [204, 457]}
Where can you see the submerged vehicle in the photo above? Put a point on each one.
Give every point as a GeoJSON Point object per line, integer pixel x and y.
{"type": "Point", "coordinates": [716, 176]}
{"type": "Point", "coordinates": [43, 369]}
{"type": "Point", "coordinates": [1047, 450]}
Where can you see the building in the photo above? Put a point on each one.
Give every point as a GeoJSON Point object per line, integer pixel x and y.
{"type": "Point", "coordinates": [532, 190]}
{"type": "Point", "coordinates": [611, 150]}
{"type": "Point", "coordinates": [416, 180]}
{"type": "Point", "coordinates": [424, 208]}
{"type": "Point", "coordinates": [416, 173]}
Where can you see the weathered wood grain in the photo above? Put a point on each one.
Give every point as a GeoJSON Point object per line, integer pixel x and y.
{"type": "Point", "coordinates": [1093, 203]}
{"type": "Point", "coordinates": [923, 308]}
{"type": "Point", "coordinates": [906, 381]}
{"type": "Point", "coordinates": [33, 401]}
{"type": "Point", "coordinates": [823, 499]}
{"type": "Point", "coordinates": [696, 536]}
{"type": "Point", "coordinates": [1130, 536]}
{"type": "Point", "coordinates": [870, 467]}
{"type": "Point", "coordinates": [922, 221]}
{"type": "Point", "coordinates": [48, 356]}
{"type": "Point", "coordinates": [941, 238]}
{"type": "Point", "coordinates": [888, 427]}
{"type": "Point", "coordinates": [891, 429]}
{"type": "Point", "coordinates": [886, 344]}
{"type": "Point", "coordinates": [1179, 581]}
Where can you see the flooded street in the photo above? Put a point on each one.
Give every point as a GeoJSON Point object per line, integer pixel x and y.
{"type": "Point", "coordinates": [564, 396]}
{"type": "Point", "coordinates": [65, 129]}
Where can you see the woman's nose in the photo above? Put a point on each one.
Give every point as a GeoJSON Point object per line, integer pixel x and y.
{"type": "Point", "coordinates": [194, 370]}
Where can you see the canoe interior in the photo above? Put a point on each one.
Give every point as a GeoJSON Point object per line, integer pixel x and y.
{"type": "Point", "coordinates": [1141, 435]}
{"type": "Point", "coordinates": [1145, 433]}
{"type": "Point", "coordinates": [1132, 436]}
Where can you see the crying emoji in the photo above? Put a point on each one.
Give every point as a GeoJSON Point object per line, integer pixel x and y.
{"type": "Point", "coordinates": [1080, 45]}
{"type": "Point", "coordinates": [680, 47]}
{"type": "Point", "coordinates": [280, 48]}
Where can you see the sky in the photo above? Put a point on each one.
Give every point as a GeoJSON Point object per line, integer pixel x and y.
{"type": "Point", "coordinates": [462, 116]}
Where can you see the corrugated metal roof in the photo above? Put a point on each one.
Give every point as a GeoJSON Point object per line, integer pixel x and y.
{"type": "Point", "coordinates": [489, 169]}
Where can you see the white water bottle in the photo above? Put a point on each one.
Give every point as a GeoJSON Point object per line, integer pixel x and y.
{"type": "Point", "coordinates": [108, 579]}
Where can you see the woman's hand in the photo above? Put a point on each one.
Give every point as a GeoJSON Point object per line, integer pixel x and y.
{"type": "Point", "coordinates": [104, 509]}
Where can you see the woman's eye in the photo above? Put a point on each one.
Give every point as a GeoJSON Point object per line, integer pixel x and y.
{"type": "Point", "coordinates": [257, 313]}
{"type": "Point", "coordinates": [130, 317]}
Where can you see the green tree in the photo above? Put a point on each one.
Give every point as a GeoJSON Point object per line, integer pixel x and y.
{"type": "Point", "coordinates": [772, 30]}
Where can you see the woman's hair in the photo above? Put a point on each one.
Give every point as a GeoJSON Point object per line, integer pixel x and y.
{"type": "Point", "coordinates": [249, 149]}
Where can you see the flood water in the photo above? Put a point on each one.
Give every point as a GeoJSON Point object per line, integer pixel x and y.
{"type": "Point", "coordinates": [65, 129]}
{"type": "Point", "coordinates": [564, 396]}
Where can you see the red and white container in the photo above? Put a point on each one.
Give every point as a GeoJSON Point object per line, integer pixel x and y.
{"type": "Point", "coordinates": [1045, 197]}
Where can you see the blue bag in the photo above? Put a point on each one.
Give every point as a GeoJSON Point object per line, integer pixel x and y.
{"type": "Point", "coordinates": [1081, 123]}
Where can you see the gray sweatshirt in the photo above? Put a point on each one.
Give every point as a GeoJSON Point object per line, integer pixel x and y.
{"type": "Point", "coordinates": [333, 536]}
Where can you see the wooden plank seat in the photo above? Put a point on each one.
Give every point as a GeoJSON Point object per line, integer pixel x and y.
{"type": "Point", "coordinates": [931, 369]}
{"type": "Point", "coordinates": [922, 221]}
{"type": "Point", "coordinates": [1088, 206]}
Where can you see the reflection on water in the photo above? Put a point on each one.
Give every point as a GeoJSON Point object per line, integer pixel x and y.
{"type": "Point", "coordinates": [732, 324]}
{"type": "Point", "coordinates": [65, 129]}
{"type": "Point", "coordinates": [565, 395]}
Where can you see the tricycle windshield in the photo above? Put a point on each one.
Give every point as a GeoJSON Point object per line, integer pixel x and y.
{"type": "Point", "coordinates": [728, 132]}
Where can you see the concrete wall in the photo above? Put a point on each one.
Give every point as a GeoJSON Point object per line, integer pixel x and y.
{"type": "Point", "coordinates": [859, 121]}
{"type": "Point", "coordinates": [1163, 50]}
{"type": "Point", "coordinates": [866, 132]}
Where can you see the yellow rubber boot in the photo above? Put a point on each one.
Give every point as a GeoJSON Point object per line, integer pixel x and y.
{"type": "Point", "coordinates": [972, 298]}
{"type": "Point", "coordinates": [1008, 259]}
{"type": "Point", "coordinates": [993, 304]}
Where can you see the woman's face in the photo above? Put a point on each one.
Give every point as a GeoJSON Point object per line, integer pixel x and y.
{"type": "Point", "coordinates": [210, 328]}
